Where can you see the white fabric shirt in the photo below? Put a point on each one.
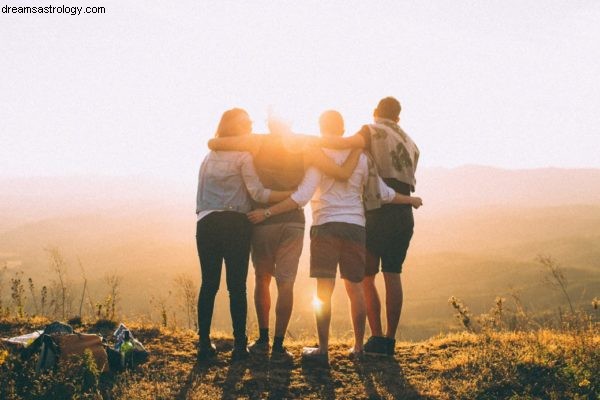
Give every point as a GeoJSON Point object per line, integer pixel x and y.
{"type": "Point", "coordinates": [336, 201]}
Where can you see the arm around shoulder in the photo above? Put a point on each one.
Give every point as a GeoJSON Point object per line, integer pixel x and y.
{"type": "Point", "coordinates": [249, 143]}
{"type": "Point", "coordinates": [318, 159]}
{"type": "Point", "coordinates": [356, 141]}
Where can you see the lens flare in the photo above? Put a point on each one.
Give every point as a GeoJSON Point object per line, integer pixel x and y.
{"type": "Point", "coordinates": [317, 303]}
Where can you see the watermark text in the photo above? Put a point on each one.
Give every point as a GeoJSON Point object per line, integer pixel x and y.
{"type": "Point", "coordinates": [67, 10]}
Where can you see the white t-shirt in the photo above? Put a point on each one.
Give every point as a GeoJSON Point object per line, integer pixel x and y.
{"type": "Point", "coordinates": [336, 201]}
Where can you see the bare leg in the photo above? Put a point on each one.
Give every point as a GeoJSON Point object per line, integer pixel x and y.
{"type": "Point", "coordinates": [393, 302]}
{"type": "Point", "coordinates": [373, 305]}
{"type": "Point", "coordinates": [283, 308]}
{"type": "Point", "coordinates": [323, 313]}
{"type": "Point", "coordinates": [262, 300]}
{"type": "Point", "coordinates": [358, 311]}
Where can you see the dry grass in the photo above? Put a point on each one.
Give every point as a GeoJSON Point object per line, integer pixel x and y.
{"type": "Point", "coordinates": [525, 365]}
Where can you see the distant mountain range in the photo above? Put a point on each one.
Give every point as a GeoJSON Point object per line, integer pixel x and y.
{"type": "Point", "coordinates": [443, 189]}
{"type": "Point", "coordinates": [476, 186]}
{"type": "Point", "coordinates": [477, 236]}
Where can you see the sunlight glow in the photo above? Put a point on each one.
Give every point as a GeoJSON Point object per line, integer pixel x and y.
{"type": "Point", "coordinates": [317, 303]}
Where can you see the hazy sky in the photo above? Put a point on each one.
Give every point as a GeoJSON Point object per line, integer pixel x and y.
{"type": "Point", "coordinates": [139, 90]}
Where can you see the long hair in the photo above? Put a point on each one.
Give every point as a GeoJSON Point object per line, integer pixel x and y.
{"type": "Point", "coordinates": [228, 121]}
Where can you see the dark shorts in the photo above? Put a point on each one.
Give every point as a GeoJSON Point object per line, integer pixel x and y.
{"type": "Point", "coordinates": [276, 249]}
{"type": "Point", "coordinates": [389, 230]}
{"type": "Point", "coordinates": [336, 243]}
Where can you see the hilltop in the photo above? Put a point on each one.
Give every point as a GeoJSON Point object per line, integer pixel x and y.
{"type": "Point", "coordinates": [510, 365]}
{"type": "Point", "coordinates": [477, 237]}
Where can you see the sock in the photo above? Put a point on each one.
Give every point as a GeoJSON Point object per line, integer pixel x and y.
{"type": "Point", "coordinates": [278, 343]}
{"type": "Point", "coordinates": [264, 335]}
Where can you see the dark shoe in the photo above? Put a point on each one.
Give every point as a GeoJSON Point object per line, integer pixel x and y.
{"type": "Point", "coordinates": [259, 347]}
{"type": "Point", "coordinates": [356, 355]}
{"type": "Point", "coordinates": [391, 347]}
{"type": "Point", "coordinates": [314, 355]}
{"type": "Point", "coordinates": [281, 355]}
{"type": "Point", "coordinates": [239, 354]}
{"type": "Point", "coordinates": [376, 346]}
{"type": "Point", "coordinates": [206, 352]}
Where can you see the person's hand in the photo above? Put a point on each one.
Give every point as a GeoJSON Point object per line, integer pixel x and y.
{"type": "Point", "coordinates": [256, 216]}
{"type": "Point", "coordinates": [416, 202]}
{"type": "Point", "coordinates": [278, 126]}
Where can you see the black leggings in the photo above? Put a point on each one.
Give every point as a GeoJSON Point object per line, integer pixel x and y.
{"type": "Point", "coordinates": [223, 235]}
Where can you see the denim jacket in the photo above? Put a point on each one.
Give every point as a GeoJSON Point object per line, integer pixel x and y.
{"type": "Point", "coordinates": [227, 180]}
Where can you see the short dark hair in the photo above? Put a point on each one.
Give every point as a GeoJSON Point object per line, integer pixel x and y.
{"type": "Point", "coordinates": [388, 107]}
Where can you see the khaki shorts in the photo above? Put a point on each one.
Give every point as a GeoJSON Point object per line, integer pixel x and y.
{"type": "Point", "coordinates": [276, 250]}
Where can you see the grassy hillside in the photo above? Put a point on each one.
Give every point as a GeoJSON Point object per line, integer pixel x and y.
{"type": "Point", "coordinates": [474, 256]}
{"type": "Point", "coordinates": [493, 365]}
{"type": "Point", "coordinates": [477, 237]}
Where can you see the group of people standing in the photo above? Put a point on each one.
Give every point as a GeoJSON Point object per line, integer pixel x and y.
{"type": "Point", "coordinates": [251, 190]}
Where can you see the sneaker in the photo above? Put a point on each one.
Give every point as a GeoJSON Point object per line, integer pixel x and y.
{"type": "Point", "coordinates": [239, 353]}
{"type": "Point", "coordinates": [206, 352]}
{"type": "Point", "coordinates": [313, 354]}
{"type": "Point", "coordinates": [376, 346]}
{"type": "Point", "coordinates": [259, 347]}
{"type": "Point", "coordinates": [281, 355]}
{"type": "Point", "coordinates": [391, 346]}
{"type": "Point", "coordinates": [356, 355]}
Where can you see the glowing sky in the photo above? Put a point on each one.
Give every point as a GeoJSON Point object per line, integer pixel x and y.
{"type": "Point", "coordinates": [138, 90]}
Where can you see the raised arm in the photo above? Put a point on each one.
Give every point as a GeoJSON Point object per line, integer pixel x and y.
{"type": "Point", "coordinates": [249, 143]}
{"type": "Point", "coordinates": [315, 157]}
{"type": "Point", "coordinates": [299, 198]}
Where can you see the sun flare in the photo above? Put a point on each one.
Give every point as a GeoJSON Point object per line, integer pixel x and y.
{"type": "Point", "coordinates": [317, 303]}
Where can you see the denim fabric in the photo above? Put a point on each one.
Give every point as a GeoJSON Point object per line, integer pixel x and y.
{"type": "Point", "coordinates": [223, 236]}
{"type": "Point", "coordinates": [227, 180]}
